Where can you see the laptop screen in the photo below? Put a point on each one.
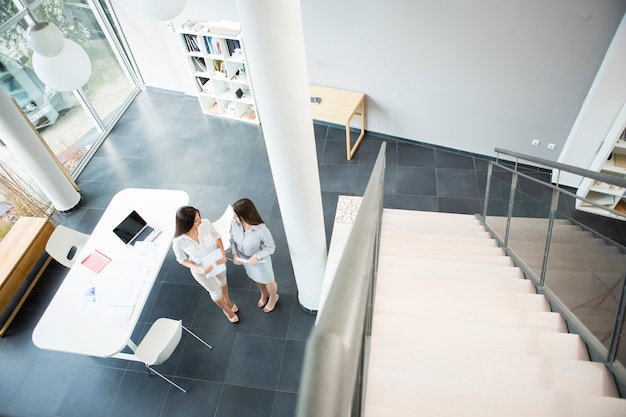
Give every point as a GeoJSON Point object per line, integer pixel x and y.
{"type": "Point", "coordinates": [130, 227]}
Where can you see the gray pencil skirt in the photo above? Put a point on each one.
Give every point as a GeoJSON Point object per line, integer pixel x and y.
{"type": "Point", "coordinates": [263, 273]}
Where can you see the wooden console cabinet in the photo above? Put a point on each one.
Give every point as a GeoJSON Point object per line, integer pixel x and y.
{"type": "Point", "coordinates": [19, 252]}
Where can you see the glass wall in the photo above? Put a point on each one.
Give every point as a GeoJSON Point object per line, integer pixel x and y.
{"type": "Point", "coordinates": [71, 123]}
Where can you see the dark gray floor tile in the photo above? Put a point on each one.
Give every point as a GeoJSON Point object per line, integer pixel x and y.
{"type": "Point", "coordinates": [197, 362]}
{"type": "Point", "coordinates": [140, 395]}
{"type": "Point", "coordinates": [201, 399]}
{"type": "Point", "coordinates": [291, 370]}
{"type": "Point", "coordinates": [411, 155]}
{"type": "Point", "coordinates": [284, 404]}
{"type": "Point", "coordinates": [245, 401]}
{"type": "Point", "coordinates": [256, 362]}
{"type": "Point", "coordinates": [338, 178]}
{"type": "Point", "coordinates": [51, 380]}
{"type": "Point", "coordinates": [445, 159]}
{"type": "Point", "coordinates": [91, 392]}
{"type": "Point", "coordinates": [456, 183]}
{"type": "Point", "coordinates": [416, 181]}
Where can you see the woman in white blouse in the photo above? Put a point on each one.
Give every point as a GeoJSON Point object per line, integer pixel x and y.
{"type": "Point", "coordinates": [194, 239]}
{"type": "Point", "coordinates": [252, 245]}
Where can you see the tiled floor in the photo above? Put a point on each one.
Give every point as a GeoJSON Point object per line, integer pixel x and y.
{"type": "Point", "coordinates": [163, 141]}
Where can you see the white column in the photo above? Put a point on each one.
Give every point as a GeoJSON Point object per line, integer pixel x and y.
{"type": "Point", "coordinates": [18, 135]}
{"type": "Point", "coordinates": [274, 45]}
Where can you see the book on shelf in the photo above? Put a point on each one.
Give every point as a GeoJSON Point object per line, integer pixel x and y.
{"type": "Point", "coordinates": [191, 41]}
{"type": "Point", "coordinates": [96, 261]}
{"type": "Point", "coordinates": [232, 45]}
{"type": "Point", "coordinates": [213, 45]}
{"type": "Point", "coordinates": [199, 63]}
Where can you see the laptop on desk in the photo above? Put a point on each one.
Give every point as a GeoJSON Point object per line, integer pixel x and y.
{"type": "Point", "coordinates": [135, 229]}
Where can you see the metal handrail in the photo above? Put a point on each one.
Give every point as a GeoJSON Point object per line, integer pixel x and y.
{"type": "Point", "coordinates": [333, 373]}
{"type": "Point", "coordinates": [597, 349]}
{"type": "Point", "coordinates": [565, 167]}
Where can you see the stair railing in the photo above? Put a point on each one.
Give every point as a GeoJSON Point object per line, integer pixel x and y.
{"type": "Point", "coordinates": [337, 351]}
{"type": "Point", "coordinates": [520, 203]}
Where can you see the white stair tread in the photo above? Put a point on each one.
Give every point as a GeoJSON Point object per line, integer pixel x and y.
{"type": "Point", "coordinates": [450, 257]}
{"type": "Point", "coordinates": [391, 236]}
{"type": "Point", "coordinates": [452, 397]}
{"type": "Point", "coordinates": [479, 336]}
{"type": "Point", "coordinates": [458, 283]}
{"type": "Point", "coordinates": [478, 276]}
{"type": "Point", "coordinates": [439, 267]}
{"type": "Point", "coordinates": [520, 301]}
{"type": "Point", "coordinates": [420, 247]}
{"type": "Point", "coordinates": [529, 371]}
{"type": "Point", "coordinates": [475, 313]}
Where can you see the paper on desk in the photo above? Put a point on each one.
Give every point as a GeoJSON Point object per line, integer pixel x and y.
{"type": "Point", "coordinates": [210, 259]}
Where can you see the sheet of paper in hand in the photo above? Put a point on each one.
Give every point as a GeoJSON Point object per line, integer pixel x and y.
{"type": "Point", "coordinates": [210, 260]}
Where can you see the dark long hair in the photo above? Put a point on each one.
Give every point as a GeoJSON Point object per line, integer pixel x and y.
{"type": "Point", "coordinates": [185, 216]}
{"type": "Point", "coordinates": [246, 211]}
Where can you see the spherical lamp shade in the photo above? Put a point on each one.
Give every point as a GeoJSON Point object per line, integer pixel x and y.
{"type": "Point", "coordinates": [162, 9]}
{"type": "Point", "coordinates": [67, 71]}
{"type": "Point", "coordinates": [45, 38]}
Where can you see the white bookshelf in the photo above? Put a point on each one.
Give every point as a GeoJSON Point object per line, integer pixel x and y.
{"type": "Point", "coordinates": [611, 160]}
{"type": "Point", "coordinates": [217, 65]}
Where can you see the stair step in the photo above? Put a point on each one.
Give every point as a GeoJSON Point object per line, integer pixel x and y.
{"type": "Point", "coordinates": [424, 395]}
{"type": "Point", "coordinates": [469, 313]}
{"type": "Point", "coordinates": [390, 236]}
{"type": "Point", "coordinates": [458, 286]}
{"type": "Point", "coordinates": [518, 301]}
{"type": "Point", "coordinates": [436, 268]}
{"type": "Point", "coordinates": [418, 215]}
{"type": "Point", "coordinates": [417, 244]}
{"type": "Point", "coordinates": [478, 336]}
{"type": "Point", "coordinates": [529, 371]}
{"type": "Point", "coordinates": [478, 276]}
{"type": "Point", "coordinates": [455, 257]}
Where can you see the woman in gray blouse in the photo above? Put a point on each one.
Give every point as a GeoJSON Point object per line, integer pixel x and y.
{"type": "Point", "coordinates": [252, 245]}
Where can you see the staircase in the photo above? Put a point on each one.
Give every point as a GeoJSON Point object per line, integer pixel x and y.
{"type": "Point", "coordinates": [458, 331]}
{"type": "Point", "coordinates": [583, 271]}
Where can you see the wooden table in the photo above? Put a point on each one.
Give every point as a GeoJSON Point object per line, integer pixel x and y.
{"type": "Point", "coordinates": [339, 107]}
{"type": "Point", "coordinates": [20, 250]}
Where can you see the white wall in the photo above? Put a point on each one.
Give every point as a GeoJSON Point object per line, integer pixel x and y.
{"type": "Point", "coordinates": [466, 75]}
{"type": "Point", "coordinates": [604, 101]}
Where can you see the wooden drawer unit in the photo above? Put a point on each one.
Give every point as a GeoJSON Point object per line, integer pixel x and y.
{"type": "Point", "coordinates": [19, 252]}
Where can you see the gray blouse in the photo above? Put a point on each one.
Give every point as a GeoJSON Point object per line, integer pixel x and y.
{"type": "Point", "coordinates": [257, 241]}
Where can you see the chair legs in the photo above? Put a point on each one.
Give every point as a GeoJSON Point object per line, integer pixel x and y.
{"type": "Point", "coordinates": [194, 335]}
{"type": "Point", "coordinates": [165, 378]}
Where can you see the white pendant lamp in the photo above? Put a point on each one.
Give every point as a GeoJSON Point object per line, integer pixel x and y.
{"type": "Point", "coordinates": [67, 71]}
{"type": "Point", "coordinates": [59, 63]}
{"type": "Point", "coordinates": [162, 9]}
{"type": "Point", "coordinates": [45, 38]}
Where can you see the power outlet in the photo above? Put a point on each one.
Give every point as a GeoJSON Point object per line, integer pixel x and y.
{"type": "Point", "coordinates": [535, 142]}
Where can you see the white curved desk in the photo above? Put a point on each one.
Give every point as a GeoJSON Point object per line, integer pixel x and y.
{"type": "Point", "coordinates": [72, 322]}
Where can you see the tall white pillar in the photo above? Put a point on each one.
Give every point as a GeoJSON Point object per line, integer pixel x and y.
{"type": "Point", "coordinates": [274, 43]}
{"type": "Point", "coordinates": [24, 143]}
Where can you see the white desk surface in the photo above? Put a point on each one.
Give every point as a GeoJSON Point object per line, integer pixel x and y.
{"type": "Point", "coordinates": [72, 323]}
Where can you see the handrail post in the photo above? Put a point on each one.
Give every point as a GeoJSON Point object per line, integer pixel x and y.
{"type": "Point", "coordinates": [554, 205]}
{"type": "Point", "coordinates": [510, 209]}
{"type": "Point", "coordinates": [487, 191]}
{"type": "Point", "coordinates": [617, 328]}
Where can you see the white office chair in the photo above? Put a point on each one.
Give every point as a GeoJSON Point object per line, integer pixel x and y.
{"type": "Point", "coordinates": [159, 344]}
{"type": "Point", "coordinates": [222, 225]}
{"type": "Point", "coordinates": [65, 244]}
